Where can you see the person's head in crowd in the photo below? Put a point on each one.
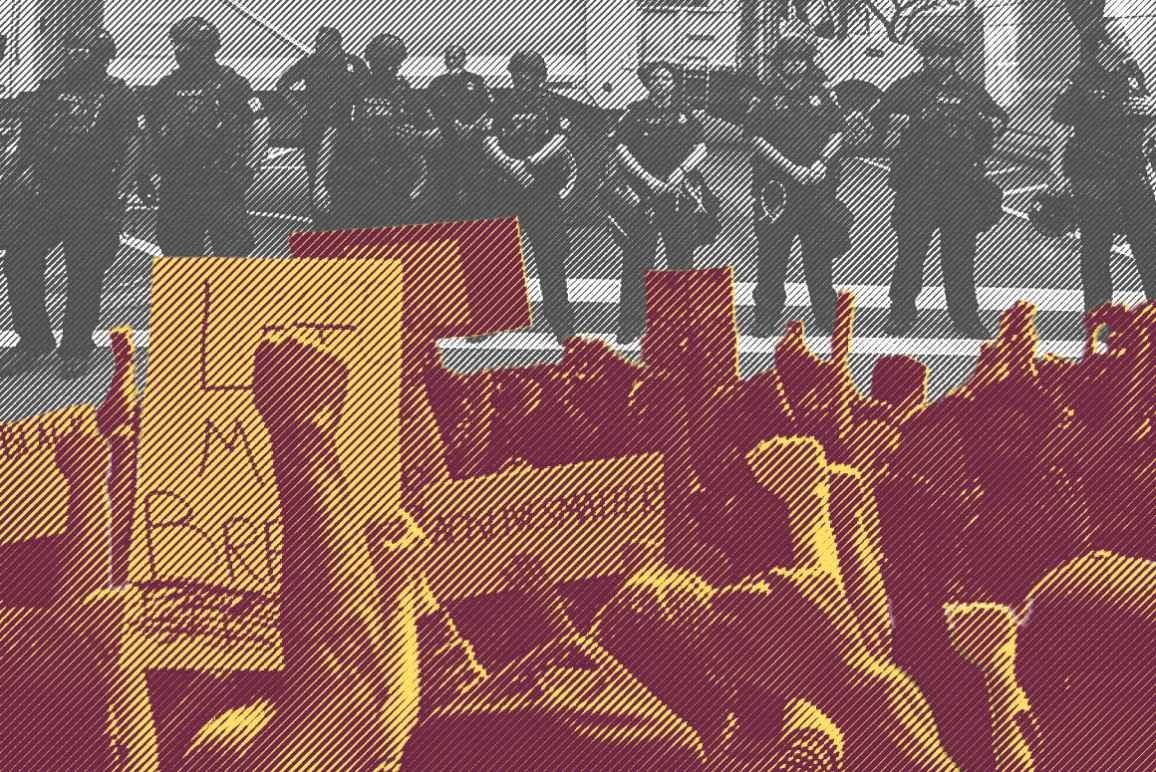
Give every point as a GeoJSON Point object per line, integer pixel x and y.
{"type": "Point", "coordinates": [1086, 658]}
{"type": "Point", "coordinates": [603, 382]}
{"type": "Point", "coordinates": [327, 44]}
{"type": "Point", "coordinates": [655, 625]}
{"type": "Point", "coordinates": [815, 634]}
{"type": "Point", "coordinates": [942, 51]}
{"type": "Point", "coordinates": [793, 58]}
{"type": "Point", "coordinates": [1106, 44]}
{"type": "Point", "coordinates": [455, 58]}
{"type": "Point", "coordinates": [786, 632]}
{"type": "Point", "coordinates": [528, 71]}
{"type": "Point", "coordinates": [196, 41]}
{"type": "Point", "coordinates": [660, 81]}
{"type": "Point", "coordinates": [87, 52]}
{"type": "Point", "coordinates": [385, 54]}
{"type": "Point", "coordinates": [748, 524]}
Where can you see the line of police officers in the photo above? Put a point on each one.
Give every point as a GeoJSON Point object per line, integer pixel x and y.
{"type": "Point", "coordinates": [378, 152]}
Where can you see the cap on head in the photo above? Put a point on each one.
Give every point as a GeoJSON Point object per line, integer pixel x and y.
{"type": "Point", "coordinates": [196, 32]}
{"type": "Point", "coordinates": [528, 63]}
{"type": "Point", "coordinates": [386, 50]}
{"type": "Point", "coordinates": [96, 39]}
{"type": "Point", "coordinates": [940, 42]}
{"type": "Point", "coordinates": [793, 47]}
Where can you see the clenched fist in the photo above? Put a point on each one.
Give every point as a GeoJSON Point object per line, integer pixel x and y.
{"type": "Point", "coordinates": [298, 388]}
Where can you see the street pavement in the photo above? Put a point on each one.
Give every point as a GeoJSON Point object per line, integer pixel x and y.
{"type": "Point", "coordinates": [1014, 263]}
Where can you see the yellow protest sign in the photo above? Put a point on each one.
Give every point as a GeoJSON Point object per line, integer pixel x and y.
{"type": "Point", "coordinates": [575, 520]}
{"type": "Point", "coordinates": [207, 505]}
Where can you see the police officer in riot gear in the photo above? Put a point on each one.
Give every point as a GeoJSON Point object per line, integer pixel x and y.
{"type": "Point", "coordinates": [372, 170]}
{"type": "Point", "coordinates": [78, 152]}
{"type": "Point", "coordinates": [208, 136]}
{"type": "Point", "coordinates": [1106, 111]}
{"type": "Point", "coordinates": [328, 76]}
{"type": "Point", "coordinates": [525, 141]}
{"type": "Point", "coordinates": [459, 100]}
{"type": "Point", "coordinates": [795, 129]}
{"type": "Point", "coordinates": [658, 145]}
{"type": "Point", "coordinates": [940, 129]}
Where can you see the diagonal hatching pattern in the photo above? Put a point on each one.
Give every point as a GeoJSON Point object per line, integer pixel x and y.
{"type": "Point", "coordinates": [823, 613]}
{"type": "Point", "coordinates": [696, 642]}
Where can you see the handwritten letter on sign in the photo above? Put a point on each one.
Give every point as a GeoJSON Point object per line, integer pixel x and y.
{"type": "Point", "coordinates": [207, 507]}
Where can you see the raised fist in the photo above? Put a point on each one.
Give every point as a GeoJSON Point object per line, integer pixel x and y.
{"type": "Point", "coordinates": [298, 387]}
{"type": "Point", "coordinates": [81, 453]}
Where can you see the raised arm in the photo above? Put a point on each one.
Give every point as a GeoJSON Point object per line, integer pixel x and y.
{"type": "Point", "coordinates": [349, 634]}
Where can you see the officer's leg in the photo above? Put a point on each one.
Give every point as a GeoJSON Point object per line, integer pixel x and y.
{"type": "Point", "coordinates": [773, 243]}
{"type": "Point", "coordinates": [310, 148]}
{"type": "Point", "coordinates": [677, 236]}
{"type": "Point", "coordinates": [1139, 202]}
{"type": "Point", "coordinates": [639, 250]}
{"type": "Point", "coordinates": [543, 223]}
{"type": "Point", "coordinates": [1094, 217]}
{"type": "Point", "coordinates": [24, 266]}
{"type": "Point", "coordinates": [312, 134]}
{"type": "Point", "coordinates": [342, 197]}
{"type": "Point", "coordinates": [228, 224]}
{"type": "Point", "coordinates": [445, 176]}
{"type": "Point", "coordinates": [957, 239]}
{"type": "Point", "coordinates": [913, 219]}
{"type": "Point", "coordinates": [429, 204]}
{"type": "Point", "coordinates": [181, 221]}
{"type": "Point", "coordinates": [819, 252]}
{"type": "Point", "coordinates": [90, 248]}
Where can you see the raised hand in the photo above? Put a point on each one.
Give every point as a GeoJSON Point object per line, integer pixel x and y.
{"type": "Point", "coordinates": [82, 456]}
{"type": "Point", "coordinates": [298, 388]}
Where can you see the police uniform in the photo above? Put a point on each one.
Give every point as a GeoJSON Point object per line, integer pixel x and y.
{"type": "Point", "coordinates": [374, 175]}
{"type": "Point", "coordinates": [327, 82]}
{"type": "Point", "coordinates": [1105, 161]}
{"type": "Point", "coordinates": [660, 140]}
{"type": "Point", "coordinates": [938, 176]}
{"type": "Point", "coordinates": [74, 137]}
{"type": "Point", "coordinates": [798, 121]}
{"type": "Point", "coordinates": [200, 122]}
{"type": "Point", "coordinates": [523, 123]}
{"type": "Point", "coordinates": [460, 97]}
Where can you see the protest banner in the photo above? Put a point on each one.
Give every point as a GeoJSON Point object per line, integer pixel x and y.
{"type": "Point", "coordinates": [576, 520]}
{"type": "Point", "coordinates": [461, 278]}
